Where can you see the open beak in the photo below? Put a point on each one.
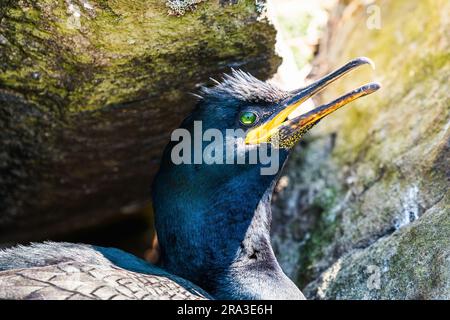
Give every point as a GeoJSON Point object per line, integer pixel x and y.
{"type": "Point", "coordinates": [287, 132]}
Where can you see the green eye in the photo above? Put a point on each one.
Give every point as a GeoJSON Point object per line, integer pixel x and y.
{"type": "Point", "coordinates": [247, 118]}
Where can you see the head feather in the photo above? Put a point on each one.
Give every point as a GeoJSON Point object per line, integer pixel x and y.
{"type": "Point", "coordinates": [243, 86]}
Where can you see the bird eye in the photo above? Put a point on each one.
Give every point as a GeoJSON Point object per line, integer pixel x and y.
{"type": "Point", "coordinates": [248, 118]}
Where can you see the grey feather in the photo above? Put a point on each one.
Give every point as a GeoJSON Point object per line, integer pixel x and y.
{"type": "Point", "coordinates": [49, 253]}
{"type": "Point", "coordinates": [74, 271]}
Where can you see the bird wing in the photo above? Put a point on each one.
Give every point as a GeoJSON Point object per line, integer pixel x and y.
{"type": "Point", "coordinates": [64, 271]}
{"type": "Point", "coordinates": [72, 280]}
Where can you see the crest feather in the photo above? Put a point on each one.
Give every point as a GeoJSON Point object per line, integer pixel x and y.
{"type": "Point", "coordinates": [243, 86]}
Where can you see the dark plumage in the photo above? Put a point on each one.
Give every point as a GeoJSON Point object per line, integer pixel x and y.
{"type": "Point", "coordinates": [213, 220]}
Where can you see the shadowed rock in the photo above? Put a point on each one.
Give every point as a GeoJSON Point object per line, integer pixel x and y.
{"type": "Point", "coordinates": [89, 93]}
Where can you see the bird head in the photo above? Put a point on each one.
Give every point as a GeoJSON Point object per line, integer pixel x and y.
{"type": "Point", "coordinates": [258, 114]}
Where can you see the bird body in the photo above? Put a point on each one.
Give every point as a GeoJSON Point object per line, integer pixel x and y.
{"type": "Point", "coordinates": [213, 219]}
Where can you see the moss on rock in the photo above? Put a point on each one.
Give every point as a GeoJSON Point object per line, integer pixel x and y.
{"type": "Point", "coordinates": [89, 92]}
{"type": "Point", "coordinates": [412, 263]}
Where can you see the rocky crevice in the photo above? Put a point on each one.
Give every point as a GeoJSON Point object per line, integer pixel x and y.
{"type": "Point", "coordinates": [89, 93]}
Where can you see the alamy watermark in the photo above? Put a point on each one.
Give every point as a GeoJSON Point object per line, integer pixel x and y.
{"type": "Point", "coordinates": [222, 148]}
{"type": "Point", "coordinates": [373, 22]}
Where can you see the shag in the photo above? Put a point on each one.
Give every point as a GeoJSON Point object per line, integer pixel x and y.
{"type": "Point", "coordinates": [213, 220]}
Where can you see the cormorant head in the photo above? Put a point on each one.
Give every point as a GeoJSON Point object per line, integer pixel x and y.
{"type": "Point", "coordinates": [212, 193]}
{"type": "Point", "coordinates": [250, 114]}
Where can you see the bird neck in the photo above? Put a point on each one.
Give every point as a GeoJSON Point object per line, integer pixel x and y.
{"type": "Point", "coordinates": [255, 273]}
{"type": "Point", "coordinates": [219, 238]}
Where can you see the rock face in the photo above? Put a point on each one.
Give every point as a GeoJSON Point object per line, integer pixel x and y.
{"type": "Point", "coordinates": [89, 93]}
{"type": "Point", "coordinates": [363, 210]}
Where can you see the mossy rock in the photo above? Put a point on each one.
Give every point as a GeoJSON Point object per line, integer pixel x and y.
{"type": "Point", "coordinates": [412, 263]}
{"type": "Point", "coordinates": [377, 166]}
{"type": "Point", "coordinates": [89, 93]}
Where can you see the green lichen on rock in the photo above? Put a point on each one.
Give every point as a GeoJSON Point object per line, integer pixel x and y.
{"type": "Point", "coordinates": [412, 263]}
{"type": "Point", "coordinates": [386, 161]}
{"type": "Point", "coordinates": [89, 93]}
{"type": "Point", "coordinates": [86, 42]}
{"type": "Point", "coordinates": [179, 7]}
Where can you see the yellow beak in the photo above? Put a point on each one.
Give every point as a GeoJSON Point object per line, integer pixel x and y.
{"type": "Point", "coordinates": [265, 131]}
